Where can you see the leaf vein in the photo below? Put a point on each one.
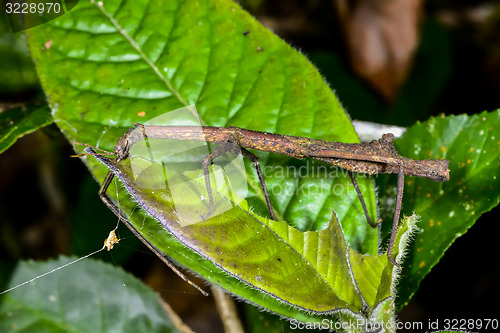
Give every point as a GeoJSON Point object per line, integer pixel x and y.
{"type": "Point", "coordinates": [133, 43]}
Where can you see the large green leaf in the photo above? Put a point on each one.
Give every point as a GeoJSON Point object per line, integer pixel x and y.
{"type": "Point", "coordinates": [108, 67]}
{"type": "Point", "coordinates": [447, 210]}
{"type": "Point", "coordinates": [14, 123]}
{"type": "Point", "coordinates": [90, 296]}
{"type": "Point", "coordinates": [308, 270]}
{"type": "Point", "coordinates": [371, 284]}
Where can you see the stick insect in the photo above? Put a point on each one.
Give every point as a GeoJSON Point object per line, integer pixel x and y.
{"type": "Point", "coordinates": [376, 157]}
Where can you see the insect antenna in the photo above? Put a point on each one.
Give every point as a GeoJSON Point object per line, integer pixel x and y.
{"type": "Point", "coordinates": [104, 152]}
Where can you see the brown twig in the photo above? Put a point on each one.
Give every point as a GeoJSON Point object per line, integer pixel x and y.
{"type": "Point", "coordinates": [176, 320]}
{"type": "Point", "coordinates": [227, 310]}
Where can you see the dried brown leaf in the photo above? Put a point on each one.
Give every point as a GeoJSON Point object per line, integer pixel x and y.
{"type": "Point", "coordinates": [382, 37]}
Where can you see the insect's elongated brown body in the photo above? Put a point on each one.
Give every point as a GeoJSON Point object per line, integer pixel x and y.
{"type": "Point", "coordinates": [378, 156]}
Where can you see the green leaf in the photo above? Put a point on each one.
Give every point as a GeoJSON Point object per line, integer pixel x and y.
{"type": "Point", "coordinates": [105, 67]}
{"type": "Point", "coordinates": [127, 62]}
{"type": "Point", "coordinates": [448, 210]}
{"type": "Point", "coordinates": [89, 296]}
{"type": "Point", "coordinates": [17, 122]}
{"type": "Point", "coordinates": [373, 275]}
{"type": "Point", "coordinates": [308, 270]}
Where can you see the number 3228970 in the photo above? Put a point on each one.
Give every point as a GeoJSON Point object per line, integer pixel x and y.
{"type": "Point", "coordinates": [32, 8]}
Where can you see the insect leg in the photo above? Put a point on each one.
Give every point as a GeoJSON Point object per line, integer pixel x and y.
{"type": "Point", "coordinates": [206, 161]}
{"type": "Point", "coordinates": [397, 211]}
{"type": "Point", "coordinates": [119, 214]}
{"type": "Point", "coordinates": [360, 196]}
{"type": "Point", "coordinates": [255, 160]}
{"type": "Point", "coordinates": [146, 139]}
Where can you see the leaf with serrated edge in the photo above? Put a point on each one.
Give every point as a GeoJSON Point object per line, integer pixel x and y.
{"type": "Point", "coordinates": [266, 255]}
{"type": "Point", "coordinates": [373, 276]}
{"type": "Point", "coordinates": [109, 66]}
{"type": "Point", "coordinates": [448, 209]}
{"type": "Point", "coordinates": [325, 251]}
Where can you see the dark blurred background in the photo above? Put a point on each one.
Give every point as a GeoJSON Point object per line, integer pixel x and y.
{"type": "Point", "coordinates": [393, 62]}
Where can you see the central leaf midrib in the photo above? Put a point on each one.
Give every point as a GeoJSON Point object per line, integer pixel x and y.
{"type": "Point", "coordinates": [138, 49]}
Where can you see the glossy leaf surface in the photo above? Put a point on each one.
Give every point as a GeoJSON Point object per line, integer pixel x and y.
{"type": "Point", "coordinates": [447, 210]}
{"type": "Point", "coordinates": [108, 67]}
{"type": "Point", "coordinates": [131, 61]}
